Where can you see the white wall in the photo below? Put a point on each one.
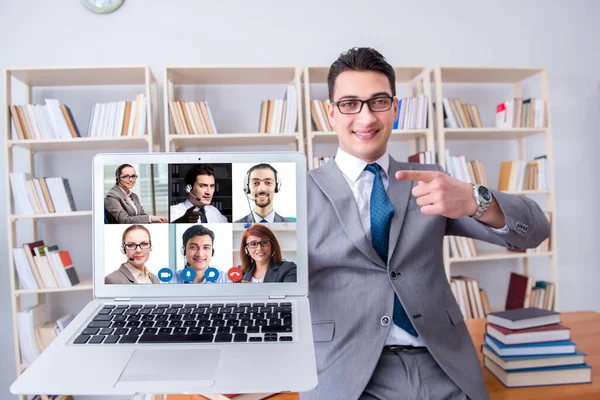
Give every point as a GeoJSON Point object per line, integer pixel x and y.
{"type": "Point", "coordinates": [559, 35]}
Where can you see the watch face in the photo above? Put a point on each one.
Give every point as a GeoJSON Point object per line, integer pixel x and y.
{"type": "Point", "coordinates": [485, 194]}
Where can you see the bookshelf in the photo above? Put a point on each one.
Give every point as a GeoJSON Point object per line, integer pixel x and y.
{"type": "Point", "coordinates": [500, 84]}
{"type": "Point", "coordinates": [32, 85]}
{"type": "Point", "coordinates": [233, 95]}
{"type": "Point", "coordinates": [410, 81]}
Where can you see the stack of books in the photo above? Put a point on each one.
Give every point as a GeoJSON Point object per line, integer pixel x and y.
{"type": "Point", "coordinates": [530, 347]}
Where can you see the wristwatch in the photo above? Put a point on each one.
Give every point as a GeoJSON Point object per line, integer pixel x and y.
{"type": "Point", "coordinates": [483, 197]}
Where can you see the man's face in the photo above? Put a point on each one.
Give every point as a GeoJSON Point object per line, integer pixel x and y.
{"type": "Point", "coordinates": [204, 189]}
{"type": "Point", "coordinates": [198, 252]}
{"type": "Point", "coordinates": [363, 135]}
{"type": "Point", "coordinates": [262, 186]}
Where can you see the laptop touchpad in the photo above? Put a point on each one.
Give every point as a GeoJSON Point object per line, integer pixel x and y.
{"type": "Point", "coordinates": [198, 365]}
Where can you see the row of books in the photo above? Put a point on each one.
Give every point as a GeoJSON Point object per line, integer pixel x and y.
{"type": "Point", "coordinates": [472, 299]}
{"type": "Point", "coordinates": [279, 115]}
{"type": "Point", "coordinates": [318, 113]}
{"type": "Point", "coordinates": [524, 175]}
{"type": "Point", "coordinates": [192, 118]}
{"type": "Point", "coordinates": [460, 115]}
{"type": "Point", "coordinates": [37, 330]}
{"type": "Point", "coordinates": [423, 157]}
{"type": "Point", "coordinates": [41, 195]}
{"type": "Point", "coordinates": [530, 347]}
{"type": "Point", "coordinates": [412, 113]}
{"type": "Point", "coordinates": [524, 292]}
{"type": "Point", "coordinates": [467, 171]}
{"type": "Point", "coordinates": [50, 121]}
{"type": "Point", "coordinates": [320, 161]}
{"type": "Point", "coordinates": [521, 113]}
{"type": "Point", "coordinates": [119, 118]}
{"type": "Point", "coordinates": [462, 247]}
{"type": "Point", "coordinates": [40, 266]}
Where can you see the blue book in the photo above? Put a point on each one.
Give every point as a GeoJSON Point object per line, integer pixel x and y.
{"type": "Point", "coordinates": [560, 347]}
{"type": "Point", "coordinates": [398, 117]}
{"type": "Point", "coordinates": [533, 361]}
{"type": "Point", "coordinates": [558, 375]}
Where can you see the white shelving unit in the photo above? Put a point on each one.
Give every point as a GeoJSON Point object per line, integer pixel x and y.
{"type": "Point", "coordinates": [197, 83]}
{"type": "Point", "coordinates": [20, 85]}
{"type": "Point", "coordinates": [516, 79]}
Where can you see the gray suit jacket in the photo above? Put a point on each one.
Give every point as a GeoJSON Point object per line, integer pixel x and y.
{"type": "Point", "coordinates": [117, 209]}
{"type": "Point", "coordinates": [284, 272]}
{"type": "Point", "coordinates": [350, 288]}
{"type": "Point", "coordinates": [250, 218]}
{"type": "Point", "coordinates": [122, 276]}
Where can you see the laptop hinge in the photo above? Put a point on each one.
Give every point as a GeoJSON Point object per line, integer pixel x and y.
{"type": "Point", "coordinates": [277, 296]}
{"type": "Point", "coordinates": [122, 299]}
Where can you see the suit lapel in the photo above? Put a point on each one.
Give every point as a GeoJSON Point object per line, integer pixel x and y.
{"type": "Point", "coordinates": [126, 272]}
{"type": "Point", "coordinates": [272, 273]}
{"type": "Point", "coordinates": [399, 193]}
{"type": "Point", "coordinates": [331, 181]}
{"type": "Point", "coordinates": [124, 200]}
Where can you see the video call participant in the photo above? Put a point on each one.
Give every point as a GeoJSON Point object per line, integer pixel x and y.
{"type": "Point", "coordinates": [136, 245]}
{"type": "Point", "coordinates": [261, 257]}
{"type": "Point", "coordinates": [260, 185]}
{"type": "Point", "coordinates": [121, 205]}
{"type": "Point", "coordinates": [198, 251]}
{"type": "Point", "coordinates": [200, 187]}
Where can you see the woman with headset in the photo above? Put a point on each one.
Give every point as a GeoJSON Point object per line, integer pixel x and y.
{"type": "Point", "coordinates": [261, 257]}
{"type": "Point", "coordinates": [136, 246]}
{"type": "Point", "coordinates": [121, 205]}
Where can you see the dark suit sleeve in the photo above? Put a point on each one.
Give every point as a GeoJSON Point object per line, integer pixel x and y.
{"type": "Point", "coordinates": [113, 206]}
{"type": "Point", "coordinates": [289, 273]}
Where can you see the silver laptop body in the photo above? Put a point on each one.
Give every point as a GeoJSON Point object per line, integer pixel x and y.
{"type": "Point", "coordinates": [121, 368]}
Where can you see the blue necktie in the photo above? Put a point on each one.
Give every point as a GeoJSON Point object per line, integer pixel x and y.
{"type": "Point", "coordinates": [262, 221]}
{"type": "Point", "coordinates": [381, 210]}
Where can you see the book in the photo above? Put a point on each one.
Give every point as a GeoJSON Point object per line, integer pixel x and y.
{"type": "Point", "coordinates": [561, 347]}
{"type": "Point", "coordinates": [546, 333]}
{"type": "Point", "coordinates": [519, 291]}
{"type": "Point", "coordinates": [559, 375]}
{"type": "Point", "coordinates": [532, 361]}
{"type": "Point", "coordinates": [522, 318]}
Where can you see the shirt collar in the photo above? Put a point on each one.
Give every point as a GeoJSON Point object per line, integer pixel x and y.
{"type": "Point", "coordinates": [352, 166]}
{"type": "Point", "coordinates": [270, 217]}
{"type": "Point", "coordinates": [134, 271]}
{"type": "Point", "coordinates": [123, 190]}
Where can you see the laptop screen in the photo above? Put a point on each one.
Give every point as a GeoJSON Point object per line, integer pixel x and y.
{"type": "Point", "coordinates": [206, 223]}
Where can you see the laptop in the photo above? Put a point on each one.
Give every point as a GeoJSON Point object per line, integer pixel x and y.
{"type": "Point", "coordinates": [179, 326]}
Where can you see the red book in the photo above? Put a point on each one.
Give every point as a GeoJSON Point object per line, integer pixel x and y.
{"type": "Point", "coordinates": [519, 290]}
{"type": "Point", "coordinates": [547, 333]}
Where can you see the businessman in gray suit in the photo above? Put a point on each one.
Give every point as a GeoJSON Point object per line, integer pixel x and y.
{"type": "Point", "coordinates": [385, 322]}
{"type": "Point", "coordinates": [260, 185]}
{"type": "Point", "coordinates": [121, 205]}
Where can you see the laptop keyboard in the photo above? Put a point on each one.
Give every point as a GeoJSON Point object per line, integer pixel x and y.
{"type": "Point", "coordinates": [189, 323]}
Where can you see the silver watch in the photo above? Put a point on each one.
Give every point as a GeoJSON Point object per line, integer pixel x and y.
{"type": "Point", "coordinates": [483, 197]}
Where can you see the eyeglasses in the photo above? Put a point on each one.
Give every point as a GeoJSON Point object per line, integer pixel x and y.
{"type": "Point", "coordinates": [355, 106]}
{"type": "Point", "coordinates": [134, 246]}
{"type": "Point", "coordinates": [263, 243]}
{"type": "Point", "coordinates": [129, 177]}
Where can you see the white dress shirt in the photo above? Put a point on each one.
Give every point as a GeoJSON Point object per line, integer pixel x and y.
{"type": "Point", "coordinates": [138, 276]}
{"type": "Point", "coordinates": [361, 183]}
{"type": "Point", "coordinates": [211, 212]}
{"type": "Point", "coordinates": [270, 218]}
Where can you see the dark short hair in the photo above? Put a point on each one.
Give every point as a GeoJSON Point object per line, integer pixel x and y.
{"type": "Point", "coordinates": [190, 177]}
{"type": "Point", "coordinates": [120, 168]}
{"type": "Point", "coordinates": [133, 228]}
{"type": "Point", "coordinates": [360, 59]}
{"type": "Point", "coordinates": [197, 230]}
{"type": "Point", "coordinates": [262, 166]}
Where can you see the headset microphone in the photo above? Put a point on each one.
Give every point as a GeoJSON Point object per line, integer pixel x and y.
{"type": "Point", "coordinates": [131, 258]}
{"type": "Point", "coordinates": [188, 190]}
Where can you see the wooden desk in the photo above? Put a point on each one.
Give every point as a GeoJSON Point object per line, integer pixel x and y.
{"type": "Point", "coordinates": [585, 332]}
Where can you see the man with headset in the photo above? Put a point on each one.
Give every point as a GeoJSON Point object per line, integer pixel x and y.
{"type": "Point", "coordinates": [197, 248]}
{"type": "Point", "coordinates": [260, 185]}
{"type": "Point", "coordinates": [200, 187]}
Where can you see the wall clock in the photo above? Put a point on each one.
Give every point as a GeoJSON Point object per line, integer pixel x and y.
{"type": "Point", "coordinates": [102, 6]}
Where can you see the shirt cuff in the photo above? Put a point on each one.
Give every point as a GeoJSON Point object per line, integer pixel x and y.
{"type": "Point", "coordinates": [150, 218]}
{"type": "Point", "coordinates": [503, 230]}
